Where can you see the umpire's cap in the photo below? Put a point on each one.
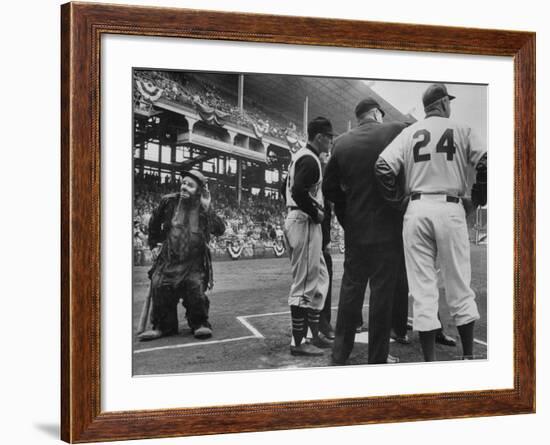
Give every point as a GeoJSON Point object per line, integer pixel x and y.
{"type": "Point", "coordinates": [196, 175]}
{"type": "Point", "coordinates": [367, 104]}
{"type": "Point", "coordinates": [319, 125]}
{"type": "Point", "coordinates": [434, 93]}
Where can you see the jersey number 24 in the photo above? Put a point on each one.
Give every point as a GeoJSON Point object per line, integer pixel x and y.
{"type": "Point", "coordinates": [445, 145]}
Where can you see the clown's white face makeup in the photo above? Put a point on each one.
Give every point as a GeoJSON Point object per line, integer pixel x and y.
{"type": "Point", "coordinates": [189, 187]}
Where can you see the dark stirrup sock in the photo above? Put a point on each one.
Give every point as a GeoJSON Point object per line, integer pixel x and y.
{"type": "Point", "coordinates": [427, 341]}
{"type": "Point", "coordinates": [299, 325]}
{"type": "Point", "coordinates": [466, 332]}
{"type": "Point", "coordinates": [313, 321]}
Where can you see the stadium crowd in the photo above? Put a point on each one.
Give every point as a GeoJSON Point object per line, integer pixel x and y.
{"type": "Point", "coordinates": [399, 229]}
{"type": "Point", "coordinates": [256, 222]}
{"type": "Point", "coordinates": [187, 90]}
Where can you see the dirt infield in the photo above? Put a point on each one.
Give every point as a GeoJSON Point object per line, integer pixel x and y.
{"type": "Point", "coordinates": [251, 323]}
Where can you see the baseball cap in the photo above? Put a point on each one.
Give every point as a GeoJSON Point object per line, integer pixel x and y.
{"type": "Point", "coordinates": [196, 175]}
{"type": "Point", "coordinates": [367, 104]}
{"type": "Point", "coordinates": [434, 93]}
{"type": "Point", "coordinates": [319, 125]}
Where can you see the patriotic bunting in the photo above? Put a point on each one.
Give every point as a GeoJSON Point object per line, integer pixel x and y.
{"type": "Point", "coordinates": [211, 115]}
{"type": "Point", "coordinates": [293, 141]}
{"type": "Point", "coordinates": [260, 128]}
{"type": "Point", "coordinates": [278, 248]}
{"type": "Point", "coordinates": [148, 90]}
{"type": "Point", "coordinates": [234, 250]}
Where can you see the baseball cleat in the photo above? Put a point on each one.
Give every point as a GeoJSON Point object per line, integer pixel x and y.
{"type": "Point", "coordinates": [444, 339]}
{"type": "Point", "coordinates": [403, 339]}
{"type": "Point", "coordinates": [321, 342]}
{"type": "Point", "coordinates": [306, 349]}
{"type": "Point", "coordinates": [392, 359]}
{"type": "Point", "coordinates": [328, 332]}
{"type": "Point", "coordinates": [149, 335]}
{"type": "Point", "coordinates": [203, 332]}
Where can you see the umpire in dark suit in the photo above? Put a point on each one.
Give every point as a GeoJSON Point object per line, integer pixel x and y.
{"type": "Point", "coordinates": [372, 232]}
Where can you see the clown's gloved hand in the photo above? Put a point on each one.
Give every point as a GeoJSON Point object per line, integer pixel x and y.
{"type": "Point", "coordinates": [206, 199]}
{"type": "Point", "coordinates": [155, 251]}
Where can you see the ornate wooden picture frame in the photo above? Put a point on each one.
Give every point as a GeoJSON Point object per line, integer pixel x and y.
{"type": "Point", "coordinates": [82, 27]}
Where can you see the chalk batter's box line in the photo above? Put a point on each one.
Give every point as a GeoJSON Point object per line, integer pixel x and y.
{"type": "Point", "coordinates": [187, 345]}
{"type": "Point", "coordinates": [256, 334]}
{"type": "Point", "coordinates": [243, 318]}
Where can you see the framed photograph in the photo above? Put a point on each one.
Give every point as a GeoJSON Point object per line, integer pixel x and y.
{"type": "Point", "coordinates": [188, 303]}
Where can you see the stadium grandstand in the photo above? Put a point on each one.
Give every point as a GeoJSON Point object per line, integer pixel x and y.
{"type": "Point", "coordinates": [240, 130]}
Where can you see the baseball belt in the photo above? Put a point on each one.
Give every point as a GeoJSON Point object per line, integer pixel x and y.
{"type": "Point", "coordinates": [448, 198]}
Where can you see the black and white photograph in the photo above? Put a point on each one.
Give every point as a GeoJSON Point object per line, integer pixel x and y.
{"type": "Point", "coordinates": [268, 222]}
{"type": "Point", "coordinates": [284, 221]}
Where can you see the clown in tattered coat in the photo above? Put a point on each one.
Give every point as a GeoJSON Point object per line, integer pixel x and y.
{"type": "Point", "coordinates": [179, 232]}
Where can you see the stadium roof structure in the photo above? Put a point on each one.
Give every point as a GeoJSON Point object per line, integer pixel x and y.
{"type": "Point", "coordinates": [334, 98]}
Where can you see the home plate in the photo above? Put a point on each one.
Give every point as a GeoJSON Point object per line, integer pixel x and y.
{"type": "Point", "coordinates": [363, 337]}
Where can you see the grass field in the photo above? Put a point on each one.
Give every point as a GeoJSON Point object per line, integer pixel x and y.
{"type": "Point", "coordinates": [251, 323]}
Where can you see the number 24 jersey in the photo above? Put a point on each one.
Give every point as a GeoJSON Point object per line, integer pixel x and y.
{"type": "Point", "coordinates": [437, 155]}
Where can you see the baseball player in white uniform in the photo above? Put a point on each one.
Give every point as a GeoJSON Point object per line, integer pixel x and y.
{"type": "Point", "coordinates": [436, 155]}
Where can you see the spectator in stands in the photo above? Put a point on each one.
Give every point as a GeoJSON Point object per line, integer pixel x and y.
{"type": "Point", "coordinates": [138, 250]}
{"type": "Point", "coordinates": [272, 233]}
{"type": "Point", "coordinates": [280, 233]}
{"type": "Point", "coordinates": [253, 211]}
{"type": "Point", "coordinates": [189, 90]}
